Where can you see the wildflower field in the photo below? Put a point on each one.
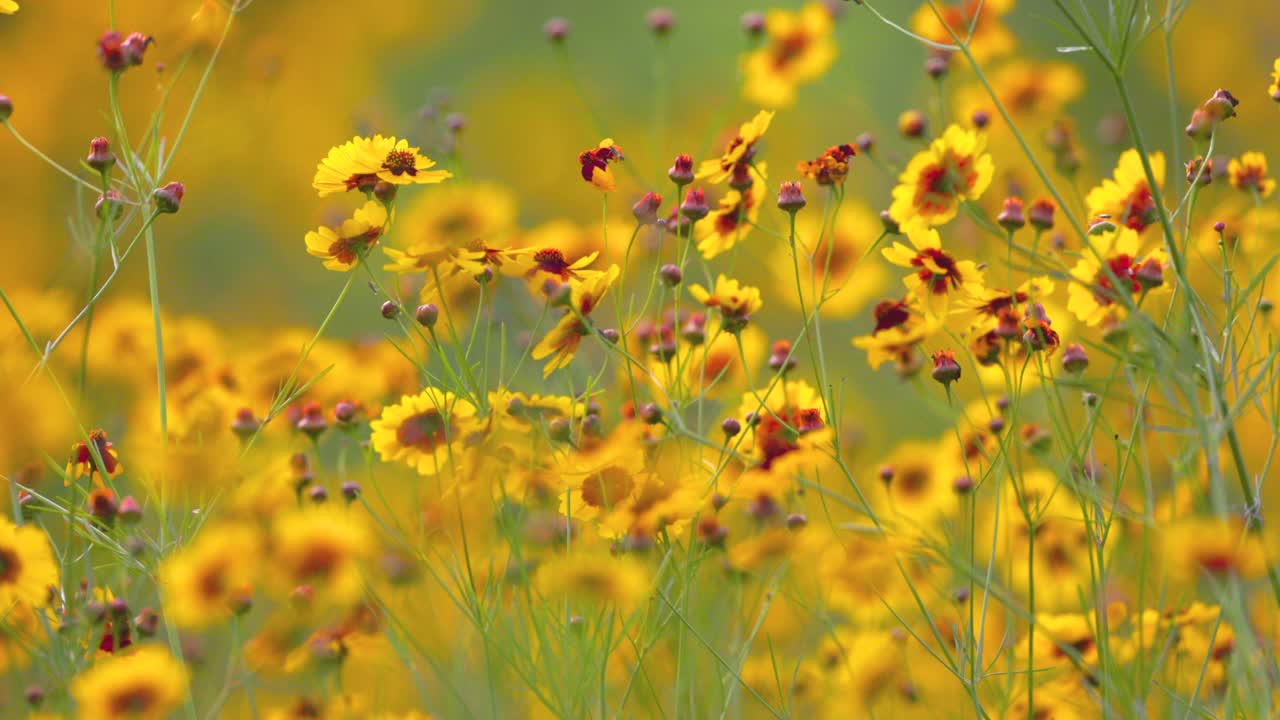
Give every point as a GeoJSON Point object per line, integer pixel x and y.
{"type": "Point", "coordinates": [591, 359]}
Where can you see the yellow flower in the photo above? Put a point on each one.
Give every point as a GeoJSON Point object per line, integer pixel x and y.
{"type": "Point", "coordinates": [205, 581]}
{"type": "Point", "coordinates": [19, 628]}
{"type": "Point", "coordinates": [938, 276]}
{"type": "Point", "coordinates": [990, 37]}
{"type": "Point", "coordinates": [27, 567]}
{"type": "Point", "coordinates": [923, 482]}
{"type": "Point", "coordinates": [733, 217]}
{"type": "Point", "coordinates": [595, 165]}
{"type": "Point", "coordinates": [1027, 90]}
{"type": "Point", "coordinates": [1197, 547]}
{"type": "Point", "coordinates": [1127, 199]}
{"type": "Point", "coordinates": [1248, 173]}
{"type": "Point", "coordinates": [147, 684]}
{"type": "Point", "coordinates": [798, 49]}
{"type": "Point", "coordinates": [561, 343]}
{"type": "Point", "coordinates": [1094, 296]}
{"type": "Point", "coordinates": [84, 459]}
{"type": "Point", "coordinates": [1274, 88]}
{"type": "Point", "coordinates": [344, 246]}
{"type": "Point", "coordinates": [791, 424]}
{"type": "Point", "coordinates": [738, 151]}
{"type": "Point", "coordinates": [600, 480]}
{"type": "Point", "coordinates": [899, 330]}
{"type": "Point", "coordinates": [360, 163]}
{"type": "Point", "coordinates": [423, 430]}
{"type": "Point", "coordinates": [596, 577]}
{"type": "Point", "coordinates": [736, 302]}
{"type": "Point", "coordinates": [456, 214]}
{"type": "Point", "coordinates": [321, 548]}
{"type": "Point", "coordinates": [954, 168]}
{"type": "Point", "coordinates": [8, 7]}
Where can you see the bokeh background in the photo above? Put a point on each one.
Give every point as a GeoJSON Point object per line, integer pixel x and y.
{"type": "Point", "coordinates": [298, 76]}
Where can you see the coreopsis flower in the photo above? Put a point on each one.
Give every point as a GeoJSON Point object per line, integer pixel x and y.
{"type": "Point", "coordinates": [938, 277]}
{"type": "Point", "coordinates": [321, 549]}
{"type": "Point", "coordinates": [1095, 296]}
{"type": "Point", "coordinates": [1029, 91]}
{"type": "Point", "coordinates": [987, 306]}
{"type": "Point", "coordinates": [8, 7]}
{"type": "Point", "coordinates": [791, 425]}
{"type": "Point", "coordinates": [736, 302]}
{"type": "Point", "coordinates": [561, 343]}
{"type": "Point", "coordinates": [207, 581]}
{"type": "Point", "coordinates": [27, 569]}
{"type": "Point", "coordinates": [595, 164]}
{"type": "Point", "coordinates": [423, 430]}
{"type": "Point", "coordinates": [954, 168]}
{"type": "Point", "coordinates": [989, 38]}
{"type": "Point", "coordinates": [342, 247]}
{"type": "Point", "coordinates": [361, 162]}
{"type": "Point", "coordinates": [921, 483]}
{"type": "Point", "coordinates": [82, 461]}
{"type": "Point", "coordinates": [1128, 199]}
{"type": "Point", "coordinates": [595, 577]}
{"type": "Point", "coordinates": [732, 218]}
{"type": "Point", "coordinates": [1248, 173]}
{"type": "Point", "coordinates": [146, 684]}
{"type": "Point", "coordinates": [831, 167]}
{"type": "Point", "coordinates": [1195, 546]}
{"type": "Point", "coordinates": [899, 330]}
{"type": "Point", "coordinates": [738, 152]}
{"type": "Point", "coordinates": [798, 49]}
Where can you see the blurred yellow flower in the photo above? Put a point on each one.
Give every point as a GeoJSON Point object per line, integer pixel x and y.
{"type": "Point", "coordinates": [361, 162]}
{"type": "Point", "coordinates": [423, 430]}
{"type": "Point", "coordinates": [736, 302]}
{"type": "Point", "coordinates": [1248, 173]}
{"type": "Point", "coordinates": [1274, 89]}
{"type": "Point", "coordinates": [989, 38]}
{"type": "Point", "coordinates": [732, 218]}
{"type": "Point", "coordinates": [344, 246]}
{"type": "Point", "coordinates": [8, 7]}
{"type": "Point", "coordinates": [1128, 199]}
{"type": "Point", "coordinates": [27, 566]}
{"type": "Point", "coordinates": [954, 168]}
{"type": "Point", "coordinates": [319, 551]}
{"type": "Point", "coordinates": [798, 49]}
{"type": "Point", "coordinates": [1094, 296]}
{"type": "Point", "coordinates": [595, 165]}
{"type": "Point", "coordinates": [596, 577]}
{"type": "Point", "coordinates": [208, 580]}
{"type": "Point", "coordinates": [561, 343]}
{"type": "Point", "coordinates": [738, 151]}
{"type": "Point", "coordinates": [146, 684]}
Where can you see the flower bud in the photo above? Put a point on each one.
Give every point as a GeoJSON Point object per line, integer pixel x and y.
{"type": "Point", "coordinates": [1219, 227]}
{"type": "Point", "coordinates": [245, 423]}
{"type": "Point", "coordinates": [1074, 359]}
{"type": "Point", "coordinates": [350, 490]}
{"type": "Point", "coordinates": [345, 412]}
{"type": "Point", "coordinates": [1040, 215]}
{"type": "Point", "coordinates": [945, 368]}
{"type": "Point", "coordinates": [385, 192]}
{"type": "Point", "coordinates": [890, 225]}
{"type": "Point", "coordinates": [426, 315]}
{"type": "Point", "coordinates": [1200, 171]}
{"type": "Point", "coordinates": [866, 142]}
{"type": "Point", "coordinates": [753, 23]}
{"type": "Point", "coordinates": [646, 208]}
{"type": "Point", "coordinates": [317, 494]}
{"type": "Point", "coordinates": [912, 124]}
{"type": "Point", "coordinates": [1150, 273]}
{"type": "Point", "coordinates": [168, 199]}
{"type": "Point", "coordinates": [312, 422]}
{"type": "Point", "coordinates": [962, 485]}
{"type": "Point", "coordinates": [650, 414]}
{"type": "Point", "coordinates": [6, 108]}
{"type": "Point", "coordinates": [135, 46]}
{"type": "Point", "coordinates": [681, 171]}
{"type": "Point", "coordinates": [147, 622]}
{"type": "Point", "coordinates": [456, 122]}
{"type": "Point", "coordinates": [1221, 105]}
{"type": "Point", "coordinates": [695, 206]}
{"type": "Point", "coordinates": [611, 335]}
{"type": "Point", "coordinates": [980, 119]}
{"type": "Point", "coordinates": [660, 21]}
{"type": "Point", "coordinates": [111, 51]}
{"type": "Point", "coordinates": [556, 29]}
{"type": "Point", "coordinates": [34, 695]}
{"type": "Point", "coordinates": [129, 511]}
{"type": "Point", "coordinates": [790, 197]}
{"type": "Point", "coordinates": [559, 429]}
{"type": "Point", "coordinates": [741, 178]}
{"type": "Point", "coordinates": [671, 275]}
{"type": "Point", "coordinates": [1101, 225]}
{"type": "Point", "coordinates": [389, 309]}
{"type": "Point", "coordinates": [796, 521]}
{"type": "Point", "coordinates": [100, 156]}
{"type": "Point", "coordinates": [1200, 126]}
{"type": "Point", "coordinates": [935, 66]}
{"type": "Point", "coordinates": [110, 205]}
{"type": "Point", "coordinates": [780, 358]}
{"type": "Point", "coordinates": [1011, 216]}
{"type": "Point", "coordinates": [885, 473]}
{"type": "Point", "coordinates": [730, 427]}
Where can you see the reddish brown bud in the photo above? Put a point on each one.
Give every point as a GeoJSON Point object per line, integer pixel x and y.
{"type": "Point", "coordinates": [790, 197]}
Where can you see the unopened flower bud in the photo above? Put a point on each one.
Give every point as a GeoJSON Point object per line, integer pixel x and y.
{"type": "Point", "coordinates": [886, 474]}
{"type": "Point", "coordinates": [912, 124]}
{"type": "Point", "coordinates": [650, 414]}
{"type": "Point", "coordinates": [559, 429]}
{"type": "Point", "coordinates": [111, 51]}
{"type": "Point", "coordinates": [147, 622]}
{"type": "Point", "coordinates": [1200, 171]}
{"type": "Point", "coordinates": [118, 608]}
{"type": "Point", "coordinates": [34, 695]}
{"type": "Point", "coordinates": [1074, 359]}
{"type": "Point", "coordinates": [6, 108]}
{"type": "Point", "coordinates": [866, 142]}
{"type": "Point", "coordinates": [780, 358]}
{"type": "Point", "coordinates": [730, 427]}
{"type": "Point", "coordinates": [611, 335]}
{"type": "Point", "coordinates": [790, 197]}
{"type": "Point", "coordinates": [660, 20]}
{"type": "Point", "coordinates": [935, 66]}
{"type": "Point", "coordinates": [135, 46]}
{"type": "Point", "coordinates": [1221, 105]}
{"type": "Point", "coordinates": [962, 485]}
{"type": "Point", "coordinates": [980, 119]}
{"type": "Point", "coordinates": [1040, 215]}
{"type": "Point", "coordinates": [456, 122]}
{"type": "Point", "coordinates": [945, 368]}
{"type": "Point", "coordinates": [556, 29]}
{"type": "Point", "coordinates": [350, 490]}
{"type": "Point", "coordinates": [168, 199]}
{"type": "Point", "coordinates": [312, 421]}
{"type": "Point", "coordinates": [129, 511]}
{"type": "Point", "coordinates": [646, 208]}
{"type": "Point", "coordinates": [695, 206]}
{"type": "Point", "coordinates": [753, 23]}
{"type": "Point", "coordinates": [796, 521]}
{"type": "Point", "coordinates": [890, 225]}
{"type": "Point", "coordinates": [245, 423]}
{"type": "Point", "coordinates": [1150, 273]}
{"type": "Point", "coordinates": [681, 171]}
{"type": "Point", "coordinates": [1011, 216]}
{"type": "Point", "coordinates": [345, 412]}
{"type": "Point", "coordinates": [389, 309]}
{"type": "Point", "coordinates": [426, 315]}
{"type": "Point", "coordinates": [317, 494]}
{"type": "Point", "coordinates": [1219, 227]}
{"type": "Point", "coordinates": [740, 179]}
{"type": "Point", "coordinates": [694, 331]}
{"type": "Point", "coordinates": [110, 205]}
{"type": "Point", "coordinates": [100, 156]}
{"type": "Point", "coordinates": [670, 275]}
{"type": "Point", "coordinates": [385, 192]}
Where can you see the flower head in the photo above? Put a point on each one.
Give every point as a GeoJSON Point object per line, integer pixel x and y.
{"type": "Point", "coordinates": [146, 684]}
{"type": "Point", "coordinates": [938, 275]}
{"type": "Point", "coordinates": [561, 343]}
{"type": "Point", "coordinates": [27, 568]}
{"type": "Point", "coordinates": [1248, 173]}
{"type": "Point", "coordinates": [739, 151]}
{"type": "Point", "coordinates": [361, 162]}
{"type": "Point", "coordinates": [730, 221]}
{"type": "Point", "coordinates": [831, 167]}
{"type": "Point", "coordinates": [423, 430]}
{"type": "Point", "coordinates": [798, 49]}
{"type": "Point", "coordinates": [322, 550]}
{"type": "Point", "coordinates": [207, 581]}
{"type": "Point", "coordinates": [343, 247]}
{"type": "Point", "coordinates": [595, 164]}
{"type": "Point", "coordinates": [1128, 199]}
{"type": "Point", "coordinates": [954, 168]}
{"type": "Point", "coordinates": [736, 302]}
{"type": "Point", "coordinates": [1096, 294]}
{"type": "Point", "coordinates": [84, 459]}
